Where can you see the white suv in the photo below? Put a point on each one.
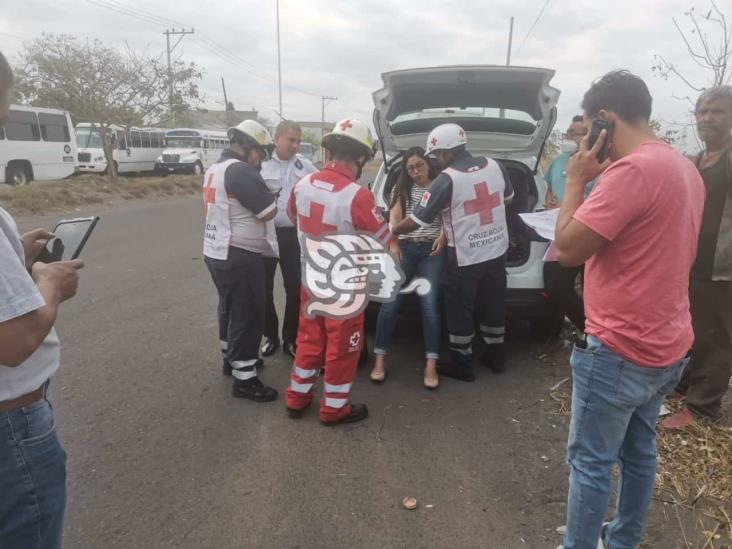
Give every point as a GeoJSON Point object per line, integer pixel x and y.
{"type": "Point", "coordinates": [507, 113]}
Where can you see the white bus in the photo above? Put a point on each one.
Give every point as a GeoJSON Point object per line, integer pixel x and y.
{"type": "Point", "coordinates": [38, 144]}
{"type": "Point", "coordinates": [189, 150]}
{"type": "Point", "coordinates": [134, 150]}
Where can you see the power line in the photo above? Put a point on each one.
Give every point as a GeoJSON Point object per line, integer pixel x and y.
{"type": "Point", "coordinates": [533, 25]}
{"type": "Point", "coordinates": [205, 41]}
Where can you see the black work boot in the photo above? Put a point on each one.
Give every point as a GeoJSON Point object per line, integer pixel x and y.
{"type": "Point", "coordinates": [494, 358]}
{"type": "Point", "coordinates": [253, 389]}
{"type": "Point", "coordinates": [358, 412]}
{"type": "Point", "coordinates": [457, 367]}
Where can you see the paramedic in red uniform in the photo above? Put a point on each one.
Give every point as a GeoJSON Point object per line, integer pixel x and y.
{"type": "Point", "coordinates": [471, 193]}
{"type": "Point", "coordinates": [329, 202]}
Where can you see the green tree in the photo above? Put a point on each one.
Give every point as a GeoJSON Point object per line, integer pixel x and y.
{"type": "Point", "coordinates": [103, 85]}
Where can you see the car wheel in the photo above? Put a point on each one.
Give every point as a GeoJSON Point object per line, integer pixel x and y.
{"type": "Point", "coordinates": [198, 168]}
{"type": "Point", "coordinates": [17, 174]}
{"type": "Point", "coordinates": [547, 326]}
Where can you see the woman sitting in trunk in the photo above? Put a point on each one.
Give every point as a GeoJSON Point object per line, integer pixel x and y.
{"type": "Point", "coordinates": [420, 255]}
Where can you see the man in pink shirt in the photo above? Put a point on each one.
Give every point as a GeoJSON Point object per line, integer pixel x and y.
{"type": "Point", "coordinates": [637, 233]}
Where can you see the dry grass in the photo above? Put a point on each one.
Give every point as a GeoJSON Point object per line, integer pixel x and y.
{"type": "Point", "coordinates": [40, 197]}
{"type": "Point", "coordinates": [694, 472]}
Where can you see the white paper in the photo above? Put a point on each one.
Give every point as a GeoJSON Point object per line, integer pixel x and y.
{"type": "Point", "coordinates": [544, 223]}
{"type": "Point", "coordinates": [551, 253]}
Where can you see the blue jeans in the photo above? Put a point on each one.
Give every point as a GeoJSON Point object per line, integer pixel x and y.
{"type": "Point", "coordinates": [32, 478]}
{"type": "Point", "coordinates": [615, 406]}
{"type": "Point", "coordinates": [416, 261]}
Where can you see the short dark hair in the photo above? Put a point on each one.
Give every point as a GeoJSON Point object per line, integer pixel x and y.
{"type": "Point", "coordinates": [577, 118]}
{"type": "Point", "coordinates": [6, 74]}
{"type": "Point", "coordinates": [621, 92]}
{"type": "Point", "coordinates": [287, 125]}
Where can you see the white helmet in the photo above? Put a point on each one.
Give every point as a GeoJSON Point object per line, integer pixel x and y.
{"type": "Point", "coordinates": [445, 137]}
{"type": "Point", "coordinates": [349, 132]}
{"type": "Point", "coordinates": [257, 135]}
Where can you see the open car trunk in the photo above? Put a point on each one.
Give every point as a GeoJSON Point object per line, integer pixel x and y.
{"type": "Point", "coordinates": [526, 198]}
{"type": "Point", "coordinates": [506, 112]}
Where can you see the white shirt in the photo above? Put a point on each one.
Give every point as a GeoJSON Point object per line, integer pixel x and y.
{"type": "Point", "coordinates": [282, 175]}
{"type": "Point", "coordinates": [19, 296]}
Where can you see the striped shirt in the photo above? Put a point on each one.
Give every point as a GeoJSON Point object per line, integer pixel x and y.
{"type": "Point", "coordinates": [428, 232]}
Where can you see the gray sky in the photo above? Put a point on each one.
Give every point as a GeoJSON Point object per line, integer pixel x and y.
{"type": "Point", "coordinates": [341, 48]}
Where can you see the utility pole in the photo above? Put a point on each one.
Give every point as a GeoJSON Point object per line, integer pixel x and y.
{"type": "Point", "coordinates": [502, 113]}
{"type": "Point", "coordinates": [510, 43]}
{"type": "Point", "coordinates": [226, 101]}
{"type": "Point", "coordinates": [227, 114]}
{"type": "Point", "coordinates": [279, 60]}
{"type": "Point", "coordinates": [168, 33]}
{"type": "Point", "coordinates": [322, 120]}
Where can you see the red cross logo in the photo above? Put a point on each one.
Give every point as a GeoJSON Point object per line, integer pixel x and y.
{"type": "Point", "coordinates": [209, 192]}
{"type": "Point", "coordinates": [461, 133]}
{"type": "Point", "coordinates": [314, 225]}
{"type": "Point", "coordinates": [434, 141]}
{"type": "Point", "coordinates": [345, 125]}
{"type": "Point", "coordinates": [483, 203]}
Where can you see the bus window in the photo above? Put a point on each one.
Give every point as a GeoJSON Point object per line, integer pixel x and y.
{"type": "Point", "coordinates": [22, 126]}
{"type": "Point", "coordinates": [54, 127]}
{"type": "Point", "coordinates": [121, 141]}
{"type": "Point", "coordinates": [135, 141]}
{"type": "Point", "coordinates": [145, 136]}
{"type": "Point", "coordinates": [154, 142]}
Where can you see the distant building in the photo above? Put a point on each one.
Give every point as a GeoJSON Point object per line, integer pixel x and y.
{"type": "Point", "coordinates": [215, 120]}
{"type": "Point", "coordinates": [316, 127]}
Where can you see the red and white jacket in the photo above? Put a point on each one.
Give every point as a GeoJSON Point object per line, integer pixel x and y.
{"type": "Point", "coordinates": [331, 202]}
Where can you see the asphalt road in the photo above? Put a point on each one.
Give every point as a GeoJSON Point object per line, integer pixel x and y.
{"type": "Point", "coordinates": [161, 455]}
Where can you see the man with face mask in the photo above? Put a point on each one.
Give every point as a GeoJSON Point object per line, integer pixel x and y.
{"type": "Point", "coordinates": [238, 205]}
{"type": "Point", "coordinates": [559, 281]}
{"type": "Point", "coordinates": [557, 171]}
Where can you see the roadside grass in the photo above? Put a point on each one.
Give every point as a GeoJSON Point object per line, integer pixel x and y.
{"type": "Point", "coordinates": [40, 197]}
{"type": "Point", "coordinates": [694, 474]}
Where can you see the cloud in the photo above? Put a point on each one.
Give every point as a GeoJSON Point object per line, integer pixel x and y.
{"type": "Point", "coordinates": [340, 49]}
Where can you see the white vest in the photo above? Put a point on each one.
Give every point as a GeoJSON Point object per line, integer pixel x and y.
{"type": "Point", "coordinates": [228, 223]}
{"type": "Point", "coordinates": [217, 232]}
{"type": "Point", "coordinates": [314, 197]}
{"type": "Point", "coordinates": [475, 223]}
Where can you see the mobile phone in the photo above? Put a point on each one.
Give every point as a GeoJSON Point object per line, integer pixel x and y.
{"type": "Point", "coordinates": [598, 124]}
{"type": "Point", "coordinates": [70, 236]}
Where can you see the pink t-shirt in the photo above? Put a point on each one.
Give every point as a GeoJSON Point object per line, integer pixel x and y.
{"type": "Point", "coordinates": [648, 205]}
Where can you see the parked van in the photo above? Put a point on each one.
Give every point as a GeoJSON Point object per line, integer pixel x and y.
{"type": "Point", "coordinates": [36, 144]}
{"type": "Point", "coordinates": [190, 150]}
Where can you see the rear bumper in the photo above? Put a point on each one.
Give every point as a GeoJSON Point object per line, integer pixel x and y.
{"type": "Point", "coordinates": [176, 167]}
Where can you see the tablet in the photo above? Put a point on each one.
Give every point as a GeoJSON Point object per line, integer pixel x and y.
{"type": "Point", "coordinates": [70, 236]}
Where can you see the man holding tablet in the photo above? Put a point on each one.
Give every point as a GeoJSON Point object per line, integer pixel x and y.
{"type": "Point", "coordinates": [32, 460]}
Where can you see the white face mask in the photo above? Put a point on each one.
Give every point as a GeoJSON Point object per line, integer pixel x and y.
{"type": "Point", "coordinates": [568, 147]}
